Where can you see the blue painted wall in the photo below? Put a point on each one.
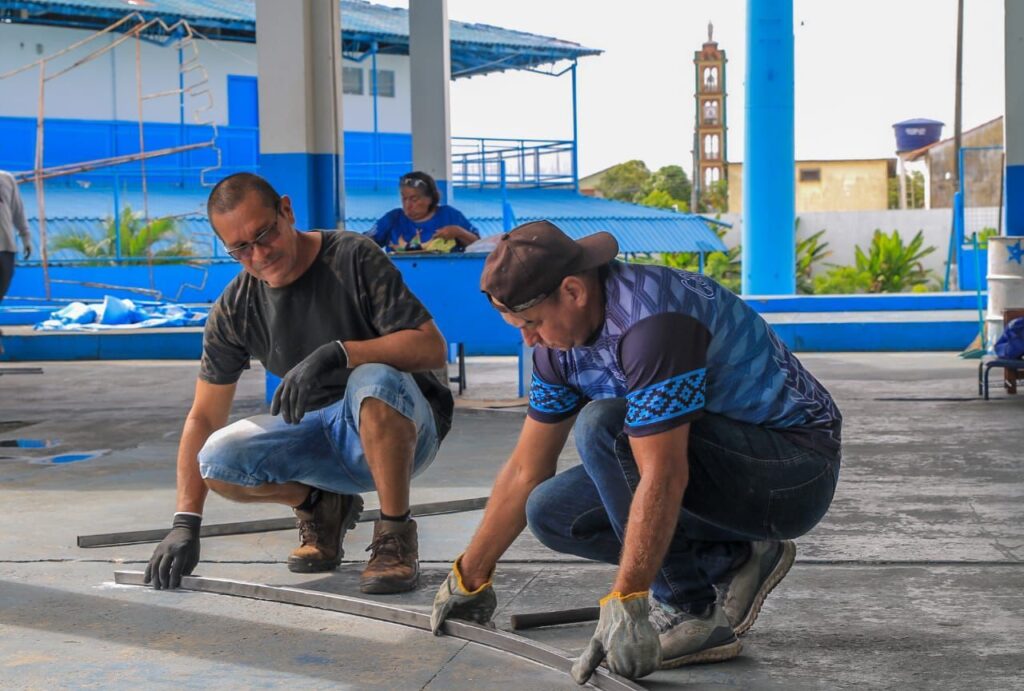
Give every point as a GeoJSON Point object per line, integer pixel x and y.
{"type": "Point", "coordinates": [370, 162]}
{"type": "Point", "coordinates": [449, 287]}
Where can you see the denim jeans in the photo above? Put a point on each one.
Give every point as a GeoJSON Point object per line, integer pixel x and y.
{"type": "Point", "coordinates": [747, 483]}
{"type": "Point", "coordinates": [324, 449]}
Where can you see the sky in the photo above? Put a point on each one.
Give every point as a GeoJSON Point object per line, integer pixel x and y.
{"type": "Point", "coordinates": [860, 67]}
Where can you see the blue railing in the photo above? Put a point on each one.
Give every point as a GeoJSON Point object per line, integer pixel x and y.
{"type": "Point", "coordinates": [371, 160]}
{"type": "Point", "coordinates": [477, 162]}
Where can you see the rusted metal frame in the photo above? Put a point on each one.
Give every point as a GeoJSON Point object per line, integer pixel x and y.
{"type": "Point", "coordinates": [492, 638]}
{"type": "Point", "coordinates": [268, 525]}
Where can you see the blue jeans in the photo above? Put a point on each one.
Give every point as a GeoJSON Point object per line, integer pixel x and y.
{"type": "Point", "coordinates": [324, 449]}
{"type": "Point", "coordinates": [747, 483]}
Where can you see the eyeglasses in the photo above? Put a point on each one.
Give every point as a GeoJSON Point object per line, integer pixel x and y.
{"type": "Point", "coordinates": [413, 182]}
{"type": "Point", "coordinates": [263, 238]}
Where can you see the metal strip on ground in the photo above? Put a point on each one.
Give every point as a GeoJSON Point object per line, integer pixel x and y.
{"type": "Point", "coordinates": [138, 537]}
{"type": "Point", "coordinates": [492, 638]}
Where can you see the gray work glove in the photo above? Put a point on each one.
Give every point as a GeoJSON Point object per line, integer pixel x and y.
{"type": "Point", "coordinates": [26, 251]}
{"type": "Point", "coordinates": [624, 637]}
{"type": "Point", "coordinates": [177, 554]}
{"type": "Point", "coordinates": [454, 600]}
{"type": "Point", "coordinates": [305, 379]}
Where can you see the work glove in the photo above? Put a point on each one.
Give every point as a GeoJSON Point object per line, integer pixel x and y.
{"type": "Point", "coordinates": [26, 252]}
{"type": "Point", "coordinates": [305, 379]}
{"type": "Point", "coordinates": [177, 554]}
{"type": "Point", "coordinates": [624, 637]}
{"type": "Point", "coordinates": [454, 600]}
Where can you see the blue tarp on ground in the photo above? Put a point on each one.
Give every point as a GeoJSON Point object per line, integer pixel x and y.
{"type": "Point", "coordinates": [117, 313]}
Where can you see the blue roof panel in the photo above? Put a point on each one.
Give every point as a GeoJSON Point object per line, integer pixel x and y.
{"type": "Point", "coordinates": [637, 228]}
{"type": "Point", "coordinates": [475, 48]}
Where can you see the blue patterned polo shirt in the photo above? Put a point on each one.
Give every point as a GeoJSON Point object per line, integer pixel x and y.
{"type": "Point", "coordinates": [675, 344]}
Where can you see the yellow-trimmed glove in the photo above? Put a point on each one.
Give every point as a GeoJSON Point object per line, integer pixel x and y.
{"type": "Point", "coordinates": [454, 600]}
{"type": "Point", "coordinates": [624, 637]}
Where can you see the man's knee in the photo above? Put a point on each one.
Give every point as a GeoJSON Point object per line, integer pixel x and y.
{"type": "Point", "coordinates": [596, 428]}
{"type": "Point", "coordinates": [228, 490]}
{"type": "Point", "coordinates": [541, 507]}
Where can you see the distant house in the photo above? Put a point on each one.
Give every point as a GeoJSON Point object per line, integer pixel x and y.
{"type": "Point", "coordinates": [984, 169]}
{"type": "Point", "coordinates": [843, 185]}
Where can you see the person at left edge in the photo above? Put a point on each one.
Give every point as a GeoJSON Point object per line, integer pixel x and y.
{"type": "Point", "coordinates": [361, 406]}
{"type": "Point", "coordinates": [422, 215]}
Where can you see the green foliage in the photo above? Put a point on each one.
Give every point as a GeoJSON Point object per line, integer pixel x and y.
{"type": "Point", "coordinates": [724, 267]}
{"type": "Point", "coordinates": [983, 237]}
{"type": "Point", "coordinates": [666, 188]}
{"type": "Point", "coordinates": [915, 191]}
{"type": "Point", "coordinates": [809, 251]}
{"type": "Point", "coordinates": [158, 238]}
{"type": "Point", "coordinates": [624, 181]}
{"type": "Point", "coordinates": [889, 266]}
{"type": "Point", "coordinates": [671, 180]}
{"type": "Point", "coordinates": [663, 200]}
{"type": "Point", "coordinates": [715, 198]}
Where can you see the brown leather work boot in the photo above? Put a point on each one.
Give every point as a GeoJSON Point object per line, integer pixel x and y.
{"type": "Point", "coordinates": [322, 530]}
{"type": "Point", "coordinates": [394, 558]}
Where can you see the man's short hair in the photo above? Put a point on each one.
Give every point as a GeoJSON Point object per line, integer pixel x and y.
{"type": "Point", "coordinates": [229, 193]}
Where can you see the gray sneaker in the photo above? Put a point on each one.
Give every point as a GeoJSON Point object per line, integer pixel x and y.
{"type": "Point", "coordinates": [743, 591]}
{"type": "Point", "coordinates": [688, 639]}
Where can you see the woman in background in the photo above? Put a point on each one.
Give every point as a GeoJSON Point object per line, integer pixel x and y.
{"type": "Point", "coordinates": [422, 218]}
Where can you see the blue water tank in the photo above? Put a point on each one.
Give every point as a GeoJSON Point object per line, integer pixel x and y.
{"type": "Point", "coordinates": [913, 134]}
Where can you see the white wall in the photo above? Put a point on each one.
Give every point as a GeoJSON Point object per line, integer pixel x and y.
{"type": "Point", "coordinates": [88, 91]}
{"type": "Point", "coordinates": [846, 229]}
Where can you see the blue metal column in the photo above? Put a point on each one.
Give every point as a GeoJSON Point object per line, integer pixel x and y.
{"type": "Point", "coordinates": [1013, 122]}
{"type": "Point", "coordinates": [376, 123]}
{"type": "Point", "coordinates": [298, 47]}
{"type": "Point", "coordinates": [769, 187]}
{"type": "Point", "coordinates": [430, 73]}
{"type": "Point", "coordinates": [575, 135]}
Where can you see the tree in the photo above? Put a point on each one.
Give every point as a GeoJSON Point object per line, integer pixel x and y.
{"type": "Point", "coordinates": [158, 238]}
{"type": "Point", "coordinates": [624, 181]}
{"type": "Point", "coordinates": [888, 266]}
{"type": "Point", "coordinates": [672, 180]}
{"type": "Point", "coordinates": [915, 191]}
{"type": "Point", "coordinates": [715, 198]}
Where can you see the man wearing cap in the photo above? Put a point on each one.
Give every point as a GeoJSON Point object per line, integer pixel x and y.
{"type": "Point", "coordinates": [705, 446]}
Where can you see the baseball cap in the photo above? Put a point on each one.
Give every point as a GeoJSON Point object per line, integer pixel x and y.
{"type": "Point", "coordinates": [530, 261]}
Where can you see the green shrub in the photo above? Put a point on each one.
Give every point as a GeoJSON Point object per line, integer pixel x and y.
{"type": "Point", "coordinates": [138, 239]}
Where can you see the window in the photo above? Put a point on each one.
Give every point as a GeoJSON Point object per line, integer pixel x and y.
{"type": "Point", "coordinates": [711, 145]}
{"type": "Point", "coordinates": [711, 112]}
{"type": "Point", "coordinates": [710, 79]}
{"type": "Point", "coordinates": [810, 175]}
{"type": "Point", "coordinates": [386, 83]}
{"type": "Point", "coordinates": [352, 80]}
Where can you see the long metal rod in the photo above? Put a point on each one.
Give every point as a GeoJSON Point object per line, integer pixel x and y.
{"type": "Point", "coordinates": [532, 620]}
{"type": "Point", "coordinates": [138, 537]}
{"type": "Point", "coordinates": [492, 638]}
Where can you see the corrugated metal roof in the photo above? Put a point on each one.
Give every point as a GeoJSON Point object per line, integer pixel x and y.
{"type": "Point", "coordinates": [475, 48]}
{"type": "Point", "coordinates": [637, 228]}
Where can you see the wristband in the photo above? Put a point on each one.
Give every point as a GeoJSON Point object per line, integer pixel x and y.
{"type": "Point", "coordinates": [344, 354]}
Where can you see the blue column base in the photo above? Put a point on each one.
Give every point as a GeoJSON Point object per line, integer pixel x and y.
{"type": "Point", "coordinates": [1015, 200]}
{"type": "Point", "coordinates": [311, 182]}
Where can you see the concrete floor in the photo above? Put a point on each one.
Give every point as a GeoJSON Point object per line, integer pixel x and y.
{"type": "Point", "coordinates": [915, 579]}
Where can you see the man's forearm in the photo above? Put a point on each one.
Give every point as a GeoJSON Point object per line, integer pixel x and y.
{"type": "Point", "coordinates": [409, 350]}
{"type": "Point", "coordinates": [191, 488]}
{"type": "Point", "coordinates": [504, 519]}
{"type": "Point", "coordinates": [653, 516]}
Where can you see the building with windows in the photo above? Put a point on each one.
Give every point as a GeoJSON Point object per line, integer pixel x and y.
{"type": "Point", "coordinates": [840, 185]}
{"type": "Point", "coordinates": [138, 109]}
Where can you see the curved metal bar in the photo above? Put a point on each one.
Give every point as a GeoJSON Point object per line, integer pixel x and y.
{"type": "Point", "coordinates": [492, 638]}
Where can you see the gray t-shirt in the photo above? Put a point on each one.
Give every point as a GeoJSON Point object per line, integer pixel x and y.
{"type": "Point", "coordinates": [351, 292]}
{"type": "Point", "coordinates": [12, 214]}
